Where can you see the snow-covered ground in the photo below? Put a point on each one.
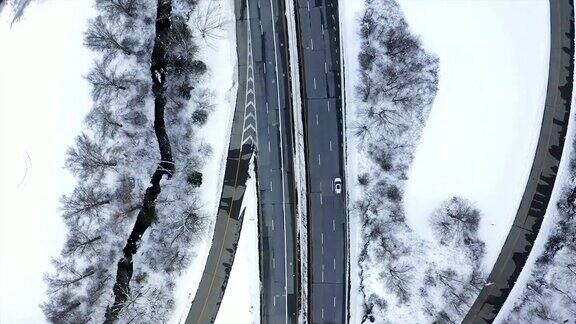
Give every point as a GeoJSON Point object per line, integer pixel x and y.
{"type": "Point", "coordinates": [241, 302]}
{"type": "Point", "coordinates": [350, 12]}
{"type": "Point", "coordinates": [219, 54]}
{"type": "Point", "coordinates": [480, 138]}
{"type": "Point", "coordinates": [43, 100]}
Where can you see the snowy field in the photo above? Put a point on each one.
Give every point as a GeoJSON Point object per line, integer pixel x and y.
{"type": "Point", "coordinates": [480, 138]}
{"type": "Point", "coordinates": [43, 100]}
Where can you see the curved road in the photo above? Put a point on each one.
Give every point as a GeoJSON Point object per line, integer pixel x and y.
{"type": "Point", "coordinates": [536, 197]}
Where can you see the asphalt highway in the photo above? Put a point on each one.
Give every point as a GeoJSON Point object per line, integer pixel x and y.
{"type": "Point", "coordinates": [536, 196]}
{"type": "Point", "coordinates": [266, 29]}
{"type": "Point", "coordinates": [319, 49]}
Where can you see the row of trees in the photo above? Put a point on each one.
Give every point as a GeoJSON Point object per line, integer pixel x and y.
{"type": "Point", "coordinates": [549, 296]}
{"type": "Point", "coordinates": [397, 84]}
{"type": "Point", "coordinates": [147, 105]}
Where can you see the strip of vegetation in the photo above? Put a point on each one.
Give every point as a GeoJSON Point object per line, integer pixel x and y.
{"type": "Point", "coordinates": [131, 234]}
{"type": "Point", "coordinates": [400, 280]}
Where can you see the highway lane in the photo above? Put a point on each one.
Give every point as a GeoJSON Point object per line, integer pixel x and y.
{"type": "Point", "coordinates": [276, 192]}
{"type": "Point", "coordinates": [243, 143]}
{"type": "Point", "coordinates": [319, 47]}
{"type": "Point", "coordinates": [542, 177]}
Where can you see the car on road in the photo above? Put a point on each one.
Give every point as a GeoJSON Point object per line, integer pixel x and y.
{"type": "Point", "coordinates": [337, 185]}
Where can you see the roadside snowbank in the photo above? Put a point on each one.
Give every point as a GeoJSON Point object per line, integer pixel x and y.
{"type": "Point", "coordinates": [480, 138]}
{"type": "Point", "coordinates": [350, 13]}
{"type": "Point", "coordinates": [241, 302]}
{"type": "Point", "coordinates": [219, 54]}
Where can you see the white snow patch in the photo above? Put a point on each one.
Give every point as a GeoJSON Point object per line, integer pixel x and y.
{"type": "Point", "coordinates": [350, 12]}
{"type": "Point", "coordinates": [480, 138]}
{"type": "Point", "coordinates": [43, 101]}
{"type": "Point", "coordinates": [241, 302]}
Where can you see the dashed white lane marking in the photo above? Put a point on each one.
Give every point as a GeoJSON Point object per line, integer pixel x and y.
{"type": "Point", "coordinates": [330, 145]}
{"type": "Point", "coordinates": [311, 44]}
{"type": "Point", "coordinates": [319, 160]}
{"type": "Point", "coordinates": [333, 226]}
{"type": "Point", "coordinates": [334, 263]}
{"type": "Point", "coordinates": [266, 107]}
{"type": "Point", "coordinates": [272, 224]}
{"type": "Point", "coordinates": [320, 199]}
{"type": "Point", "coordinates": [316, 119]}
{"type": "Point", "coordinates": [274, 301]}
{"type": "Point", "coordinates": [322, 313]}
{"type": "Point", "coordinates": [334, 303]}
{"type": "Point", "coordinates": [264, 67]}
{"type": "Point", "coordinates": [314, 82]}
{"type": "Point", "coordinates": [269, 147]}
{"type": "Point", "coordinates": [273, 263]}
{"type": "Point", "coordinates": [322, 273]}
{"type": "Point", "coordinates": [328, 105]}
{"type": "Point", "coordinates": [325, 68]}
{"type": "Point", "coordinates": [271, 186]}
{"type": "Point", "coordinates": [322, 26]}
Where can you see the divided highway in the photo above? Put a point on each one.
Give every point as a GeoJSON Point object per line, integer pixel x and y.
{"type": "Point", "coordinates": [319, 52]}
{"type": "Point", "coordinates": [536, 197]}
{"type": "Point", "coordinates": [263, 122]}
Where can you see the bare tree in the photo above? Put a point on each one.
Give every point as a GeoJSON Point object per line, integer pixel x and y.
{"type": "Point", "coordinates": [104, 121]}
{"type": "Point", "coordinates": [85, 200]}
{"type": "Point", "coordinates": [88, 158]}
{"type": "Point", "coordinates": [101, 37]}
{"type": "Point", "coordinates": [67, 275]}
{"type": "Point", "coordinates": [398, 277]}
{"type": "Point", "coordinates": [209, 21]}
{"type": "Point", "coordinates": [106, 82]}
{"type": "Point", "coordinates": [456, 220]}
{"type": "Point", "coordinates": [129, 8]}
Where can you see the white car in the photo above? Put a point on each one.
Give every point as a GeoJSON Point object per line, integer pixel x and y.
{"type": "Point", "coordinates": [337, 185]}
